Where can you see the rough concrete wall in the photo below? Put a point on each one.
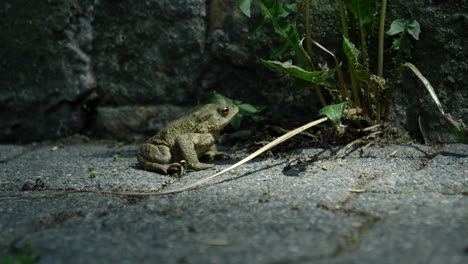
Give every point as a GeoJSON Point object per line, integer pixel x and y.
{"type": "Point", "coordinates": [118, 68]}
{"type": "Point", "coordinates": [441, 55]}
{"type": "Point", "coordinates": [64, 60]}
{"type": "Point", "coordinates": [46, 72]}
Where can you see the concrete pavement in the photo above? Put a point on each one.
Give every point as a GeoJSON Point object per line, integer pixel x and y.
{"type": "Point", "coordinates": [396, 204]}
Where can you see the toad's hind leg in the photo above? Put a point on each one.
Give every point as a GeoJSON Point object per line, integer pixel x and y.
{"type": "Point", "coordinates": [157, 158]}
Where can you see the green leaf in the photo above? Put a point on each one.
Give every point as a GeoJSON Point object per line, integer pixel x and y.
{"type": "Point", "coordinates": [350, 50]}
{"type": "Point", "coordinates": [316, 77]}
{"type": "Point", "coordinates": [363, 76]}
{"type": "Point", "coordinates": [396, 44]}
{"type": "Point", "coordinates": [282, 12]}
{"type": "Point", "coordinates": [363, 10]}
{"type": "Point", "coordinates": [405, 46]}
{"type": "Point", "coordinates": [334, 112]}
{"type": "Point", "coordinates": [257, 117]}
{"type": "Point", "coordinates": [214, 97]}
{"type": "Point", "coordinates": [244, 6]}
{"type": "Point", "coordinates": [251, 109]}
{"type": "Point", "coordinates": [24, 255]}
{"type": "Point", "coordinates": [401, 25]}
{"type": "Point", "coordinates": [460, 135]}
{"type": "Point", "coordinates": [244, 109]}
{"type": "Point", "coordinates": [397, 26]}
{"type": "Point", "coordinates": [281, 50]}
{"type": "Point", "coordinates": [236, 121]}
{"type": "Point", "coordinates": [414, 29]}
{"type": "Point", "coordinates": [274, 11]}
{"type": "Point", "coordinates": [92, 174]}
{"type": "Point", "coordinates": [258, 22]}
{"type": "Point", "coordinates": [291, 8]}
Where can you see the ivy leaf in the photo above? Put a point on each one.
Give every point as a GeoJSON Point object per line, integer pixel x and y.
{"type": "Point", "coordinates": [396, 44]}
{"type": "Point", "coordinates": [414, 29]}
{"type": "Point", "coordinates": [402, 25]}
{"type": "Point", "coordinates": [405, 46]}
{"type": "Point", "coordinates": [334, 112]}
{"type": "Point", "coordinates": [397, 27]}
{"type": "Point", "coordinates": [350, 50]}
{"type": "Point", "coordinates": [244, 6]}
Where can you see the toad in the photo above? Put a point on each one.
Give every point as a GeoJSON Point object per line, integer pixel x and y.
{"type": "Point", "coordinates": [184, 141]}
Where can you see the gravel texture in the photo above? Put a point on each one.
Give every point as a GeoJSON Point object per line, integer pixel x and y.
{"type": "Point", "coordinates": [394, 204]}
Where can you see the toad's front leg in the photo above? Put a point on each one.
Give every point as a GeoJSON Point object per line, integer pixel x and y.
{"type": "Point", "coordinates": [191, 146]}
{"type": "Point", "coordinates": [213, 153]}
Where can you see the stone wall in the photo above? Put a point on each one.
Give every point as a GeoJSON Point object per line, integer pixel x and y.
{"type": "Point", "coordinates": [441, 55]}
{"type": "Point", "coordinates": [120, 69]}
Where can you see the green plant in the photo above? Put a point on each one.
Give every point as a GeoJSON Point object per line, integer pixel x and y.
{"type": "Point", "coordinates": [460, 134]}
{"type": "Point", "coordinates": [334, 112]}
{"type": "Point", "coordinates": [370, 91]}
{"type": "Point", "coordinates": [280, 16]}
{"type": "Point", "coordinates": [116, 157]}
{"type": "Point", "coordinates": [363, 12]}
{"type": "Point", "coordinates": [403, 28]}
{"type": "Point", "coordinates": [92, 173]}
{"type": "Point", "coordinates": [245, 110]}
{"type": "Point", "coordinates": [25, 255]}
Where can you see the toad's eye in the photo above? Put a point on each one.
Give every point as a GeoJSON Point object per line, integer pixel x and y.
{"type": "Point", "coordinates": [224, 111]}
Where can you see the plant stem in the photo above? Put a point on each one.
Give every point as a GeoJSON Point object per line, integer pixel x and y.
{"type": "Point", "coordinates": [344, 92]}
{"type": "Point", "coordinates": [344, 24]}
{"type": "Point", "coordinates": [352, 75]}
{"type": "Point", "coordinates": [308, 30]}
{"type": "Point", "coordinates": [320, 96]}
{"type": "Point", "coordinates": [309, 49]}
{"type": "Point", "coordinates": [362, 32]}
{"type": "Point", "coordinates": [298, 12]}
{"type": "Point", "coordinates": [380, 57]}
{"type": "Point", "coordinates": [381, 39]}
{"type": "Point", "coordinates": [344, 27]}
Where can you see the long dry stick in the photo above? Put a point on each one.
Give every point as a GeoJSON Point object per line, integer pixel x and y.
{"type": "Point", "coordinates": [458, 124]}
{"type": "Point", "coordinates": [202, 181]}
{"type": "Point", "coordinates": [251, 156]}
